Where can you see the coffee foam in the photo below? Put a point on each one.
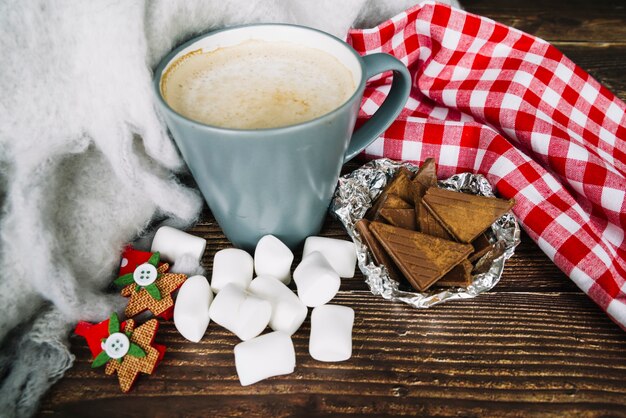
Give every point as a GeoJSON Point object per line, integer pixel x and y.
{"type": "Point", "coordinates": [257, 84]}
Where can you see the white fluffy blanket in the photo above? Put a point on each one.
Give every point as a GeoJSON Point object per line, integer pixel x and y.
{"type": "Point", "coordinates": [86, 164]}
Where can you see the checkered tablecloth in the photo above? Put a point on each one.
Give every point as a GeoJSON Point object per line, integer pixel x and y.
{"type": "Point", "coordinates": [493, 100]}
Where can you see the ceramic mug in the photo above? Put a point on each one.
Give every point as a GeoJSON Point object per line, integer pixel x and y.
{"type": "Point", "coordinates": [280, 181]}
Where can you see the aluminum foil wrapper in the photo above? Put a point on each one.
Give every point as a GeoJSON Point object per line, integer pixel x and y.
{"type": "Point", "coordinates": [354, 196]}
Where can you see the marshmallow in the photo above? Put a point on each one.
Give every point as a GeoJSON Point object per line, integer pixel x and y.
{"type": "Point", "coordinates": [243, 315]}
{"type": "Point", "coordinates": [231, 266]}
{"type": "Point", "coordinates": [273, 258]}
{"type": "Point", "coordinates": [191, 311]}
{"type": "Point", "coordinates": [172, 243]}
{"type": "Point", "coordinates": [253, 317]}
{"type": "Point", "coordinates": [339, 253]}
{"type": "Point", "coordinates": [288, 311]}
{"type": "Point", "coordinates": [225, 306]}
{"type": "Point", "coordinates": [269, 355]}
{"type": "Point", "coordinates": [331, 333]}
{"type": "Point", "coordinates": [316, 280]}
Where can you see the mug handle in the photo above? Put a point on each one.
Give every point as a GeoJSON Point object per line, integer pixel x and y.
{"type": "Point", "coordinates": [391, 107]}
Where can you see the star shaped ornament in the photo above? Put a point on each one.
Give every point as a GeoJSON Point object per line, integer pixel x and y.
{"type": "Point", "coordinates": [123, 348]}
{"type": "Point", "coordinates": [149, 287]}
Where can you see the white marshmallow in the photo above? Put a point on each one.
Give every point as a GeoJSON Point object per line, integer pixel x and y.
{"type": "Point", "coordinates": [254, 316]}
{"type": "Point", "coordinates": [288, 311]}
{"type": "Point", "coordinates": [191, 311]}
{"type": "Point", "coordinates": [225, 306]}
{"type": "Point", "coordinates": [273, 258]}
{"type": "Point", "coordinates": [172, 243]}
{"type": "Point", "coordinates": [269, 355]}
{"type": "Point", "coordinates": [316, 280]}
{"type": "Point", "coordinates": [231, 265]}
{"type": "Point", "coordinates": [243, 315]}
{"type": "Point", "coordinates": [331, 333]}
{"type": "Point", "coordinates": [339, 253]}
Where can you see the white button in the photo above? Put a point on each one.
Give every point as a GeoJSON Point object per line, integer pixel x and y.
{"type": "Point", "coordinates": [124, 262]}
{"type": "Point", "coordinates": [145, 274]}
{"type": "Point", "coordinates": [117, 345]}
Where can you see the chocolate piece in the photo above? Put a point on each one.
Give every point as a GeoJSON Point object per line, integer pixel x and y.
{"type": "Point", "coordinates": [407, 172]}
{"type": "Point", "coordinates": [481, 242]}
{"type": "Point", "coordinates": [393, 201]}
{"type": "Point", "coordinates": [417, 192]}
{"type": "Point", "coordinates": [484, 264]}
{"type": "Point", "coordinates": [427, 174]}
{"type": "Point", "coordinates": [423, 259]}
{"type": "Point", "coordinates": [402, 218]}
{"type": "Point", "coordinates": [399, 186]}
{"type": "Point", "coordinates": [372, 213]}
{"type": "Point", "coordinates": [465, 216]}
{"type": "Point", "coordinates": [481, 247]}
{"type": "Point", "coordinates": [378, 252]}
{"type": "Point", "coordinates": [428, 224]}
{"type": "Point", "coordinates": [390, 201]}
{"type": "Point", "coordinates": [460, 275]}
{"type": "Point", "coordinates": [425, 178]}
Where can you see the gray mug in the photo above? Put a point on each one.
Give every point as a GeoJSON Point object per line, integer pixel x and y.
{"type": "Point", "coordinates": [280, 181]}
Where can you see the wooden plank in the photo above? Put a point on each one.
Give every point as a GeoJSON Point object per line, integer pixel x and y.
{"type": "Point", "coordinates": [549, 354]}
{"type": "Point", "coordinates": [606, 63]}
{"type": "Point", "coordinates": [580, 21]}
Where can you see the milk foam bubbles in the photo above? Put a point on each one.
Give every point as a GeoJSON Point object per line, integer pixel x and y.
{"type": "Point", "coordinates": [257, 84]}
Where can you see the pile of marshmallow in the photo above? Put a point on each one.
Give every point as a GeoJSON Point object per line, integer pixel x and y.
{"type": "Point", "coordinates": [246, 307]}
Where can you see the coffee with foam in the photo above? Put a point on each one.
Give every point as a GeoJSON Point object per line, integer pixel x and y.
{"type": "Point", "coordinates": [256, 85]}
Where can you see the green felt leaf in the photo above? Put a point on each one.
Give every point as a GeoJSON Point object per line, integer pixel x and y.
{"type": "Point", "coordinates": [119, 360]}
{"type": "Point", "coordinates": [137, 288]}
{"type": "Point", "coordinates": [128, 333]}
{"type": "Point", "coordinates": [136, 351]}
{"type": "Point", "coordinates": [114, 324]}
{"type": "Point", "coordinates": [154, 259]}
{"type": "Point", "coordinates": [124, 280]}
{"type": "Point", "coordinates": [153, 290]}
{"type": "Point", "coordinates": [100, 360]}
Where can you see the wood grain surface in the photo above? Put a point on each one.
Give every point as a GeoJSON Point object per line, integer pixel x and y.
{"type": "Point", "coordinates": [534, 346]}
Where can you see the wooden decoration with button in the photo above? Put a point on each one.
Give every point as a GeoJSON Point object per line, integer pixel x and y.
{"type": "Point", "coordinates": [122, 348]}
{"type": "Point", "coordinates": [149, 287]}
{"type": "Point", "coordinates": [131, 365]}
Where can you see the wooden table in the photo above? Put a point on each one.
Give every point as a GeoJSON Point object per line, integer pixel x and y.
{"type": "Point", "coordinates": [535, 345]}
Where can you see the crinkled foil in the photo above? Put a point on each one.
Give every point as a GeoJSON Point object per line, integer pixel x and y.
{"type": "Point", "coordinates": [354, 196]}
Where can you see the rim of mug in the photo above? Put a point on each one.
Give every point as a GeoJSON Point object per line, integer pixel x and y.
{"type": "Point", "coordinates": [158, 74]}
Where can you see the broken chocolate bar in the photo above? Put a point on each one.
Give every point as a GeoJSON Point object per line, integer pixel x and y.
{"type": "Point", "coordinates": [484, 263]}
{"type": "Point", "coordinates": [378, 252]}
{"type": "Point", "coordinates": [482, 246]}
{"type": "Point", "coordinates": [465, 216]}
{"type": "Point", "coordinates": [390, 201]}
{"type": "Point", "coordinates": [427, 174]}
{"type": "Point", "coordinates": [428, 224]}
{"type": "Point", "coordinates": [402, 218]}
{"type": "Point", "coordinates": [423, 259]}
{"type": "Point", "coordinates": [460, 275]}
{"type": "Point", "coordinates": [393, 201]}
{"type": "Point", "coordinates": [399, 186]}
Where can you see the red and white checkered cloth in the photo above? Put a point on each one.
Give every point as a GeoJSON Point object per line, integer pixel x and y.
{"type": "Point", "coordinates": [493, 100]}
